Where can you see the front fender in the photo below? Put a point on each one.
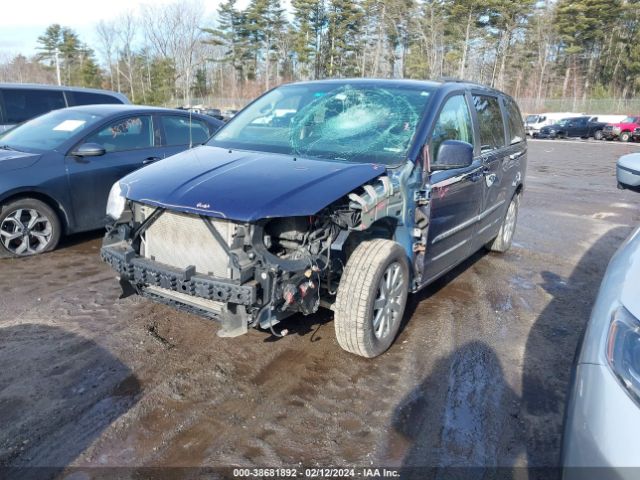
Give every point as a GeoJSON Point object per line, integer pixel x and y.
{"type": "Point", "coordinates": [63, 210]}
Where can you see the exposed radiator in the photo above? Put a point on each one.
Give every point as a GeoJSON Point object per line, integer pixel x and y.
{"type": "Point", "coordinates": [179, 240]}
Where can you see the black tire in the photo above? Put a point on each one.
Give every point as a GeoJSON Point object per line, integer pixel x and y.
{"type": "Point", "coordinates": [502, 242]}
{"type": "Point", "coordinates": [19, 237]}
{"type": "Point", "coordinates": [597, 135]}
{"type": "Point", "coordinates": [371, 268]}
{"type": "Point", "coordinates": [624, 136]}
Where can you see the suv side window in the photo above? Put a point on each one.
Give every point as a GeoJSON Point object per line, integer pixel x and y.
{"type": "Point", "coordinates": [182, 130]}
{"type": "Point", "coordinates": [454, 123]}
{"type": "Point", "coordinates": [490, 122]}
{"type": "Point", "coordinates": [516, 127]}
{"type": "Point", "coordinates": [90, 98]}
{"type": "Point", "coordinates": [22, 104]}
{"type": "Point", "coordinates": [126, 134]}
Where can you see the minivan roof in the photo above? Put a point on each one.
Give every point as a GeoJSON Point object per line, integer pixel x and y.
{"type": "Point", "coordinates": [445, 84]}
{"type": "Point", "coordinates": [66, 88]}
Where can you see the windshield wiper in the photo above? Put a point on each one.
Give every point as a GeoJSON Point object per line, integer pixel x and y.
{"type": "Point", "coordinates": [6, 147]}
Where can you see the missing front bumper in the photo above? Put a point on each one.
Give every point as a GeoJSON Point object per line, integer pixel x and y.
{"type": "Point", "coordinates": [184, 289]}
{"type": "Point", "coordinates": [144, 272]}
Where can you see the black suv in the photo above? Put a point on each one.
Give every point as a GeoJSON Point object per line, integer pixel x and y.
{"type": "Point", "coordinates": [583, 127]}
{"type": "Point", "coordinates": [20, 102]}
{"type": "Point", "coordinates": [370, 190]}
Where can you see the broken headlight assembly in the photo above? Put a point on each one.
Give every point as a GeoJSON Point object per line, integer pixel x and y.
{"type": "Point", "coordinates": [116, 201]}
{"type": "Point", "coordinates": [623, 350]}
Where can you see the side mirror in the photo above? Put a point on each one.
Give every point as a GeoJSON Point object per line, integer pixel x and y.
{"type": "Point", "coordinates": [628, 172]}
{"type": "Point", "coordinates": [453, 154]}
{"type": "Point", "coordinates": [89, 150]}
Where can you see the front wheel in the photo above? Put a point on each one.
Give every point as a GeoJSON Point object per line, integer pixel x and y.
{"type": "Point", "coordinates": [625, 136]}
{"type": "Point", "coordinates": [27, 227]}
{"type": "Point", "coordinates": [597, 135]}
{"type": "Point", "coordinates": [503, 241]}
{"type": "Point", "coordinates": [371, 297]}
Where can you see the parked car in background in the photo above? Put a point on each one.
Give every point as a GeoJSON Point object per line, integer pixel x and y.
{"type": "Point", "coordinates": [229, 114]}
{"type": "Point", "coordinates": [534, 123]}
{"type": "Point", "coordinates": [214, 112]}
{"type": "Point", "coordinates": [607, 118]}
{"type": "Point", "coordinates": [623, 131]}
{"type": "Point", "coordinates": [603, 412]}
{"type": "Point", "coordinates": [358, 193]}
{"type": "Point", "coordinates": [20, 102]}
{"type": "Point", "coordinates": [583, 127]}
{"type": "Point", "coordinates": [56, 170]}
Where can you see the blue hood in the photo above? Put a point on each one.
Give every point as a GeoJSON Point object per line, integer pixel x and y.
{"type": "Point", "coordinates": [13, 160]}
{"type": "Point", "coordinates": [245, 186]}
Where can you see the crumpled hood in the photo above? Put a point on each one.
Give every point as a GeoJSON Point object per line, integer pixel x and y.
{"type": "Point", "coordinates": [13, 160]}
{"type": "Point", "coordinates": [245, 186]}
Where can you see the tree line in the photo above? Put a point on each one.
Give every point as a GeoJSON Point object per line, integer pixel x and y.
{"type": "Point", "coordinates": [168, 54]}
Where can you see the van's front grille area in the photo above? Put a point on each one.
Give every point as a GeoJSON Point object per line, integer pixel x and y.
{"type": "Point", "coordinates": [180, 240]}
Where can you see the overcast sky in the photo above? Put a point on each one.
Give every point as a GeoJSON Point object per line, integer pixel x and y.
{"type": "Point", "coordinates": [23, 21]}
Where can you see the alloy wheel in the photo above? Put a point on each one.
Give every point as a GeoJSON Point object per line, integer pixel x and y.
{"type": "Point", "coordinates": [510, 223]}
{"type": "Point", "coordinates": [25, 231]}
{"type": "Point", "coordinates": [388, 303]}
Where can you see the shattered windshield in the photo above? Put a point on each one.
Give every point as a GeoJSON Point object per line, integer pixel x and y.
{"type": "Point", "coordinates": [338, 121]}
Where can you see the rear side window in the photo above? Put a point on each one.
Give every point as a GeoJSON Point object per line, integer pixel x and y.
{"type": "Point", "coordinates": [90, 98]}
{"type": "Point", "coordinates": [179, 130]}
{"type": "Point", "coordinates": [516, 127]}
{"type": "Point", "coordinates": [490, 122]}
{"type": "Point", "coordinates": [127, 134]}
{"type": "Point", "coordinates": [23, 104]}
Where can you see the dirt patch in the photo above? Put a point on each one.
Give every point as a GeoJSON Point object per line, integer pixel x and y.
{"type": "Point", "coordinates": [477, 376]}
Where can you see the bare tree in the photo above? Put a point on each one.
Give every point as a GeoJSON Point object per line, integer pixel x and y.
{"type": "Point", "coordinates": [107, 39]}
{"type": "Point", "coordinates": [126, 33]}
{"type": "Point", "coordinates": [175, 32]}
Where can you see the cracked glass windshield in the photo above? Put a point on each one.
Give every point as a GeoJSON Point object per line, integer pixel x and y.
{"type": "Point", "coordinates": [337, 121]}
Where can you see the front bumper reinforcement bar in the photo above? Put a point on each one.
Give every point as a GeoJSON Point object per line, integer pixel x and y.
{"type": "Point", "coordinates": [142, 271]}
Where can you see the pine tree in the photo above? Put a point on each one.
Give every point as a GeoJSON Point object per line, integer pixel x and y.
{"type": "Point", "coordinates": [309, 24]}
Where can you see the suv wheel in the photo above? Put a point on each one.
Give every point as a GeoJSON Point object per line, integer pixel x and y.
{"type": "Point", "coordinates": [625, 136]}
{"type": "Point", "coordinates": [27, 226]}
{"type": "Point", "coordinates": [597, 135]}
{"type": "Point", "coordinates": [371, 297]}
{"type": "Point", "coordinates": [503, 241]}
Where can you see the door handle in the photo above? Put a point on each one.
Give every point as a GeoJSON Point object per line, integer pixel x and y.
{"type": "Point", "coordinates": [149, 160]}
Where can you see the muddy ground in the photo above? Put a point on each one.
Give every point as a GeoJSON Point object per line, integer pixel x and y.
{"type": "Point", "coordinates": [478, 376]}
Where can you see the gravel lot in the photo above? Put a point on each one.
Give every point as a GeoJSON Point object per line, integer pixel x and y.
{"type": "Point", "coordinates": [478, 375]}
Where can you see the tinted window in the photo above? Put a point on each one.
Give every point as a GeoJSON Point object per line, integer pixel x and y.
{"type": "Point", "coordinates": [48, 131]}
{"type": "Point", "coordinates": [490, 122]}
{"type": "Point", "coordinates": [179, 130]}
{"type": "Point", "coordinates": [89, 98]}
{"type": "Point", "coordinates": [516, 127]}
{"type": "Point", "coordinates": [24, 104]}
{"type": "Point", "coordinates": [454, 123]}
{"type": "Point", "coordinates": [128, 134]}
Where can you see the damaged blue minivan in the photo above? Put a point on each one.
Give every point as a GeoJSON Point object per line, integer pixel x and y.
{"type": "Point", "coordinates": [342, 194]}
